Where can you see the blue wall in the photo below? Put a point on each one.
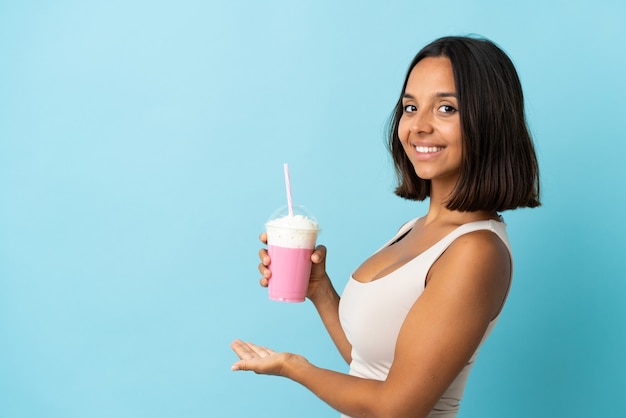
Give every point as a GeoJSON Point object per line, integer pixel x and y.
{"type": "Point", "coordinates": [141, 151]}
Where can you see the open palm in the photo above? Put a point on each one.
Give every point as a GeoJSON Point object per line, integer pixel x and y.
{"type": "Point", "coordinates": [261, 360]}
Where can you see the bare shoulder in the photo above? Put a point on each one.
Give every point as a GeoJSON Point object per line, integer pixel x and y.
{"type": "Point", "coordinates": [479, 263]}
{"type": "Point", "coordinates": [477, 247]}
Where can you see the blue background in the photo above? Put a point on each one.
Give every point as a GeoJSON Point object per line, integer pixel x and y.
{"type": "Point", "coordinates": [141, 151]}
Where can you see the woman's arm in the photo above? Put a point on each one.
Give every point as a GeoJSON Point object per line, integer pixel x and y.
{"type": "Point", "coordinates": [326, 301]}
{"type": "Point", "coordinates": [341, 391]}
{"type": "Point", "coordinates": [466, 289]}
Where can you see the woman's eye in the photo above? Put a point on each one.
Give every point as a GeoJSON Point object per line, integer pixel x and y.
{"type": "Point", "coordinates": [447, 109]}
{"type": "Point", "coordinates": [409, 108]}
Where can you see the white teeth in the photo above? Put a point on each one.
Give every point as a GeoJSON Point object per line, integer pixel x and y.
{"type": "Point", "coordinates": [428, 149]}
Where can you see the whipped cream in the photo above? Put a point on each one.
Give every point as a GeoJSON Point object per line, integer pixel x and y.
{"type": "Point", "coordinates": [295, 231]}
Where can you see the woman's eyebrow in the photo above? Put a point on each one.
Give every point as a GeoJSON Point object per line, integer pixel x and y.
{"type": "Point", "coordinates": [438, 95]}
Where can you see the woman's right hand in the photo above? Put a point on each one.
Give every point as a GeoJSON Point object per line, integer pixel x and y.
{"type": "Point", "coordinates": [318, 278]}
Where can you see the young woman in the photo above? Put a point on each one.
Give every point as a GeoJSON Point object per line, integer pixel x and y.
{"type": "Point", "coordinates": [413, 316]}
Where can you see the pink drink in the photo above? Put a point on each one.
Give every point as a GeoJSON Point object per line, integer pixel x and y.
{"type": "Point", "coordinates": [290, 240]}
{"type": "Point", "coordinates": [291, 268]}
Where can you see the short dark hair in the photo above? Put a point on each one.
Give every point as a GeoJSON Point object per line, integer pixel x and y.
{"type": "Point", "coordinates": [499, 169]}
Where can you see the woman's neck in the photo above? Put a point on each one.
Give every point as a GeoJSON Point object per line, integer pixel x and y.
{"type": "Point", "coordinates": [439, 213]}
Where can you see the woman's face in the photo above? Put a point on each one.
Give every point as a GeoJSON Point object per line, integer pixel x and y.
{"type": "Point", "coordinates": [430, 127]}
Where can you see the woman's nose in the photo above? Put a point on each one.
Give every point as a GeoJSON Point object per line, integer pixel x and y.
{"type": "Point", "coordinates": [422, 122]}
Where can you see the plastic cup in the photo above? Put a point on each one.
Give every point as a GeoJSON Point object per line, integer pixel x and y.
{"type": "Point", "coordinates": [290, 241]}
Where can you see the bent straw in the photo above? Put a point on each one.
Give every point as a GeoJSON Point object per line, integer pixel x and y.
{"type": "Point", "coordinates": [288, 187]}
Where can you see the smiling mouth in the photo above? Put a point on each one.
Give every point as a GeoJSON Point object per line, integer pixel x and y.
{"type": "Point", "coordinates": [427, 149]}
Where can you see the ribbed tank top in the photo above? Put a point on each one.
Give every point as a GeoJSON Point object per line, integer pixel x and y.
{"type": "Point", "coordinates": [372, 313]}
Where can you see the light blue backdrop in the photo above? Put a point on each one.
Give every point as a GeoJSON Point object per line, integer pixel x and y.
{"type": "Point", "coordinates": [141, 150]}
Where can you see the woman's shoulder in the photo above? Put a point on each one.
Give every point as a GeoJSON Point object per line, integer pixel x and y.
{"type": "Point", "coordinates": [479, 252]}
{"type": "Point", "coordinates": [477, 242]}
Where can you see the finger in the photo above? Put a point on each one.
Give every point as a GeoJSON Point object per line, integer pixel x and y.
{"type": "Point", "coordinates": [243, 350]}
{"type": "Point", "coordinates": [263, 269]}
{"type": "Point", "coordinates": [265, 272]}
{"type": "Point", "coordinates": [262, 352]}
{"type": "Point", "coordinates": [240, 365]}
{"type": "Point", "coordinates": [264, 256]}
{"type": "Point", "coordinates": [319, 254]}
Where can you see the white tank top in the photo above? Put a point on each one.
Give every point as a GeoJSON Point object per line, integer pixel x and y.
{"type": "Point", "coordinates": [371, 314]}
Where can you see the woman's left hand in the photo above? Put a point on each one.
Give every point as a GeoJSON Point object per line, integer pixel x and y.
{"type": "Point", "coordinates": [261, 360]}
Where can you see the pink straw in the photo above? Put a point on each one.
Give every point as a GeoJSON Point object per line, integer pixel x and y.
{"type": "Point", "coordinates": [288, 187]}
